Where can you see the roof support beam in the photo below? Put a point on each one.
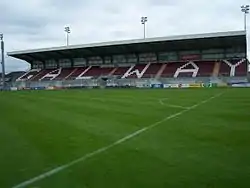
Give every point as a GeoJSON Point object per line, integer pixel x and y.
{"type": "Point", "coordinates": [38, 57]}
{"type": "Point", "coordinates": [35, 58]}
{"type": "Point", "coordinates": [60, 54]}
{"type": "Point", "coordinates": [71, 61]}
{"type": "Point", "coordinates": [27, 58]}
{"type": "Point", "coordinates": [157, 57]}
{"type": "Point", "coordinates": [84, 53]}
{"type": "Point", "coordinates": [54, 55]}
{"type": "Point", "coordinates": [65, 55]}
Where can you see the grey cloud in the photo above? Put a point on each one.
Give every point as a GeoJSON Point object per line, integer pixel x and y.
{"type": "Point", "coordinates": [66, 4]}
{"type": "Point", "coordinates": [15, 25]}
{"type": "Point", "coordinates": [112, 10]}
{"type": "Point", "coordinates": [15, 65]}
{"type": "Point", "coordinates": [162, 2]}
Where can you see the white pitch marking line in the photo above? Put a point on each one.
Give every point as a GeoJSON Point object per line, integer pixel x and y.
{"type": "Point", "coordinates": [161, 101]}
{"type": "Point", "coordinates": [176, 106]}
{"type": "Point", "coordinates": [103, 149]}
{"type": "Point", "coordinates": [122, 101]}
{"type": "Point", "coordinates": [99, 99]}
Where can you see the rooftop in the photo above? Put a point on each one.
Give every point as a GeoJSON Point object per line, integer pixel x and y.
{"type": "Point", "coordinates": [139, 45]}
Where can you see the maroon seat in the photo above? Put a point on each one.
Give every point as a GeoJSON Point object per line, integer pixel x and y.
{"type": "Point", "coordinates": [133, 74]}
{"type": "Point", "coordinates": [240, 69]}
{"type": "Point", "coordinates": [152, 70]}
{"type": "Point", "coordinates": [120, 71]}
{"type": "Point", "coordinates": [205, 68]}
{"type": "Point", "coordinates": [171, 68]}
{"type": "Point", "coordinates": [96, 71]}
{"type": "Point", "coordinates": [224, 69]}
{"type": "Point", "coordinates": [64, 73]}
{"type": "Point", "coordinates": [75, 73]}
{"type": "Point", "coordinates": [41, 74]}
{"type": "Point", "coordinates": [29, 75]}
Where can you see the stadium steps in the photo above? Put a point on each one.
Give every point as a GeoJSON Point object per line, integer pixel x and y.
{"type": "Point", "coordinates": [39, 75]}
{"type": "Point", "coordinates": [70, 74]}
{"type": "Point", "coordinates": [216, 69]}
{"type": "Point", "coordinates": [28, 75]}
{"type": "Point", "coordinates": [113, 71]}
{"type": "Point", "coordinates": [159, 73]}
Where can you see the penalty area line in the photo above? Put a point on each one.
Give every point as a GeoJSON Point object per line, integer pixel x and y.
{"type": "Point", "coordinates": [103, 149]}
{"type": "Point", "coordinates": [161, 101]}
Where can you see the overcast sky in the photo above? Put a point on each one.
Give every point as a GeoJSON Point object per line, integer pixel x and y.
{"type": "Point", "coordinates": [29, 24]}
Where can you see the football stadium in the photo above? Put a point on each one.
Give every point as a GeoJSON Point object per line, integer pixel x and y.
{"type": "Point", "coordinates": [156, 112]}
{"type": "Point", "coordinates": [180, 61]}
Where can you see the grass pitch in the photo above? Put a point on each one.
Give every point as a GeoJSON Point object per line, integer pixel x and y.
{"type": "Point", "coordinates": [207, 146]}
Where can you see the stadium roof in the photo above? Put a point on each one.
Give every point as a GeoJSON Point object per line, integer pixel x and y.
{"type": "Point", "coordinates": [182, 42]}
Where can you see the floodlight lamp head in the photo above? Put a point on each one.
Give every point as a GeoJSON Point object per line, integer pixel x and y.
{"type": "Point", "coordinates": [245, 6]}
{"type": "Point", "coordinates": [245, 9]}
{"type": "Point", "coordinates": [1, 36]}
{"type": "Point", "coordinates": [67, 29]}
{"type": "Point", "coordinates": [144, 20]}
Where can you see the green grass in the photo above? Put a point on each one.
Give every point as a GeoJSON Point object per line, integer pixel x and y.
{"type": "Point", "coordinates": [208, 146]}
